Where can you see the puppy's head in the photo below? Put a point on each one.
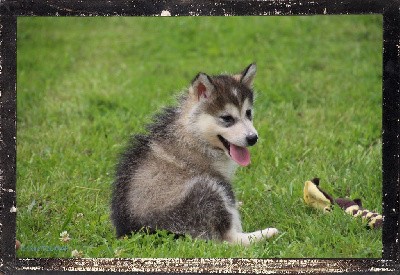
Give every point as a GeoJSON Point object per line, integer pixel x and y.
{"type": "Point", "coordinates": [222, 112]}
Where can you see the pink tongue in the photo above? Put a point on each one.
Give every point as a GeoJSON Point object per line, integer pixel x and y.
{"type": "Point", "coordinates": [240, 154]}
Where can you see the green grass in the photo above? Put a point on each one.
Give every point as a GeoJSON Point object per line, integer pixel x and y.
{"type": "Point", "coordinates": [86, 84]}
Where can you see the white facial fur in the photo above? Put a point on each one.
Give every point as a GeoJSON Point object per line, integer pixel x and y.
{"type": "Point", "coordinates": [209, 127]}
{"type": "Point", "coordinates": [243, 127]}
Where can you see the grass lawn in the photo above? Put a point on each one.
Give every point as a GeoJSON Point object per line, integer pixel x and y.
{"type": "Point", "coordinates": [86, 84]}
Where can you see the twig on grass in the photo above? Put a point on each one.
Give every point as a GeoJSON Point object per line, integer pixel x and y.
{"type": "Point", "coordinates": [87, 188]}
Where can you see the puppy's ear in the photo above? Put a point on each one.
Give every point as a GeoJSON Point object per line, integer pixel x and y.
{"type": "Point", "coordinates": [248, 74]}
{"type": "Point", "coordinates": [202, 86]}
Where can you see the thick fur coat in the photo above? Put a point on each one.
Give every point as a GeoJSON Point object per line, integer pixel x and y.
{"type": "Point", "coordinates": [177, 176]}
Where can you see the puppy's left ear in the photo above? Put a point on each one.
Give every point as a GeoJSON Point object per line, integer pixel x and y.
{"type": "Point", "coordinates": [248, 74]}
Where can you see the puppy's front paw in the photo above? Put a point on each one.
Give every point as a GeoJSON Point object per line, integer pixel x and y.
{"type": "Point", "coordinates": [270, 232]}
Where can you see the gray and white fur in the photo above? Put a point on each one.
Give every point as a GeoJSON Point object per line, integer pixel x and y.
{"type": "Point", "coordinates": [177, 176]}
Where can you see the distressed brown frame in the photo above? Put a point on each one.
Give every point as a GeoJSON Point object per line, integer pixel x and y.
{"type": "Point", "coordinates": [390, 10]}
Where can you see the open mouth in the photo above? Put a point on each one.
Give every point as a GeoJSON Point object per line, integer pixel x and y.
{"type": "Point", "coordinates": [239, 154]}
{"type": "Point", "coordinates": [225, 143]}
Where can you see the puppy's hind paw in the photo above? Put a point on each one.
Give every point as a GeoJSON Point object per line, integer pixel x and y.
{"type": "Point", "coordinates": [270, 232]}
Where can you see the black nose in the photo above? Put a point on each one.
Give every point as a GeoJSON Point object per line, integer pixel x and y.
{"type": "Point", "coordinates": [251, 139]}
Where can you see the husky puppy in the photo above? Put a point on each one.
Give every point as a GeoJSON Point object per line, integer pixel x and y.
{"type": "Point", "coordinates": [177, 177]}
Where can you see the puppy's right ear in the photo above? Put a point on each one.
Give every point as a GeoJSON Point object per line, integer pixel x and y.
{"type": "Point", "coordinates": [202, 87]}
{"type": "Point", "coordinates": [247, 76]}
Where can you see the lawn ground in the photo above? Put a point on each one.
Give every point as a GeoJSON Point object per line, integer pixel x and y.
{"type": "Point", "coordinates": [86, 84]}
